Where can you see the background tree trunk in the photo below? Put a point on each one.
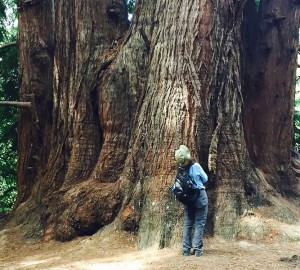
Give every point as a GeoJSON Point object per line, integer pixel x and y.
{"type": "Point", "coordinates": [36, 47]}
{"type": "Point", "coordinates": [271, 51]}
{"type": "Point", "coordinates": [118, 103]}
{"type": "Point", "coordinates": [270, 47]}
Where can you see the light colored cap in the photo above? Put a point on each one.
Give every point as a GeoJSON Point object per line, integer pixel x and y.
{"type": "Point", "coordinates": [182, 155]}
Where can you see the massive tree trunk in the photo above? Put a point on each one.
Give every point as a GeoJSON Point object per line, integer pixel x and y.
{"type": "Point", "coordinates": [270, 50]}
{"type": "Point", "coordinates": [110, 105]}
{"type": "Point", "coordinates": [270, 67]}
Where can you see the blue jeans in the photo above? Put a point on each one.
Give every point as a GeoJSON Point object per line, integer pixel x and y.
{"type": "Point", "coordinates": [194, 217]}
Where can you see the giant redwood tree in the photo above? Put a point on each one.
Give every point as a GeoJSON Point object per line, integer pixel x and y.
{"type": "Point", "coordinates": [108, 101]}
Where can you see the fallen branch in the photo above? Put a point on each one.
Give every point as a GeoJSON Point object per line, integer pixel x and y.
{"type": "Point", "coordinates": [9, 44]}
{"type": "Point", "coordinates": [18, 104]}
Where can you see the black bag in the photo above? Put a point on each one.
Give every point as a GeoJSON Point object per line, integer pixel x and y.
{"type": "Point", "coordinates": [183, 186]}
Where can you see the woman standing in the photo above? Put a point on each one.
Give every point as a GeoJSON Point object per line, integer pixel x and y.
{"type": "Point", "coordinates": [195, 213]}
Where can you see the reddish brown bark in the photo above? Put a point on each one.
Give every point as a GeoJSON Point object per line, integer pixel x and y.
{"type": "Point", "coordinates": [36, 73]}
{"type": "Point", "coordinates": [117, 104]}
{"type": "Point", "coordinates": [269, 88]}
{"type": "Point", "coordinates": [271, 45]}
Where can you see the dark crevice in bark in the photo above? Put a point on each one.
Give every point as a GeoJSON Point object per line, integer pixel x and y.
{"type": "Point", "coordinates": [95, 109]}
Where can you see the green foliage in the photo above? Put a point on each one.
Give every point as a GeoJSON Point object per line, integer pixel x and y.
{"type": "Point", "coordinates": [297, 121]}
{"type": "Point", "coordinates": [297, 129]}
{"type": "Point", "coordinates": [7, 17]}
{"type": "Point", "coordinates": [8, 193]}
{"type": "Point", "coordinates": [130, 5]}
{"type": "Point", "coordinates": [8, 115]}
{"type": "Point", "coordinates": [257, 3]}
{"type": "Point", "coordinates": [297, 111]}
{"type": "Point", "coordinates": [2, 20]}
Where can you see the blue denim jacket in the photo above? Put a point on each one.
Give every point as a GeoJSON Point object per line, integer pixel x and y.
{"type": "Point", "coordinates": [198, 175]}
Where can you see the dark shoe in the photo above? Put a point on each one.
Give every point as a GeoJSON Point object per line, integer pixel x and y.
{"type": "Point", "coordinates": [186, 253]}
{"type": "Point", "coordinates": [192, 251]}
{"type": "Point", "coordinates": [198, 253]}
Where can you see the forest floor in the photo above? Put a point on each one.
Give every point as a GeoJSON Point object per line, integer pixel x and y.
{"type": "Point", "coordinates": [107, 250]}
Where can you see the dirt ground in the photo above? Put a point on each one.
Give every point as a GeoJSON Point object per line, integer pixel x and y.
{"type": "Point", "coordinates": [115, 250]}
